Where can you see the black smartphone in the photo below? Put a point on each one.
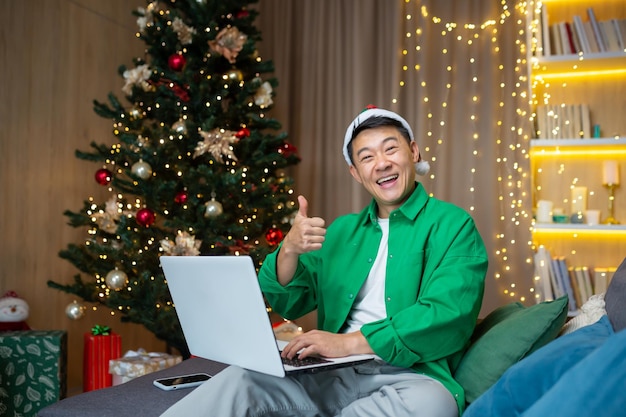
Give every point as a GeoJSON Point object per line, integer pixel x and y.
{"type": "Point", "coordinates": [181, 381]}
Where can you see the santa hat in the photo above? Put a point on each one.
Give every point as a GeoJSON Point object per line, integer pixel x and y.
{"type": "Point", "coordinates": [9, 294]}
{"type": "Point", "coordinates": [421, 167]}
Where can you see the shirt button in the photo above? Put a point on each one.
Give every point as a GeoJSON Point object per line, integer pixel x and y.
{"type": "Point", "coordinates": [369, 260]}
{"type": "Point", "coordinates": [350, 296]}
{"type": "Point", "coordinates": [388, 298]}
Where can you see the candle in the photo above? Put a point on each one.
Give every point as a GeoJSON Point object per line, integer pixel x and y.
{"type": "Point", "coordinates": [610, 173]}
{"type": "Point", "coordinates": [544, 211]}
{"type": "Point", "coordinates": [579, 199]}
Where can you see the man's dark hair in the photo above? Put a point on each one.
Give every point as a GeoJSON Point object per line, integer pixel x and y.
{"type": "Point", "coordinates": [378, 121]}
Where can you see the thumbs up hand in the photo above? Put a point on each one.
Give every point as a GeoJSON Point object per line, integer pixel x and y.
{"type": "Point", "coordinates": [307, 233]}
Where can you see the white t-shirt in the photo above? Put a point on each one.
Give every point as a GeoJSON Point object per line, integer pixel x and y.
{"type": "Point", "coordinates": [370, 301]}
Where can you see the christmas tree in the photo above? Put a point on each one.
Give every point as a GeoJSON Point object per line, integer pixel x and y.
{"type": "Point", "coordinates": [197, 166]}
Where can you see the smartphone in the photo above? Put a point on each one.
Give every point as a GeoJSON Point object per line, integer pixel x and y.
{"type": "Point", "coordinates": [181, 381]}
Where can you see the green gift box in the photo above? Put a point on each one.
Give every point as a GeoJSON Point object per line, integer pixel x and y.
{"type": "Point", "coordinates": [33, 370]}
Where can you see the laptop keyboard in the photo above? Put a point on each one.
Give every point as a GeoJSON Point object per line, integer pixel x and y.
{"type": "Point", "coordinates": [314, 360]}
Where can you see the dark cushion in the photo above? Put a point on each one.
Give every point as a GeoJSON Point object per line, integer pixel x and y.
{"type": "Point", "coordinates": [615, 296]}
{"type": "Point", "coordinates": [527, 381]}
{"type": "Point", "coordinates": [503, 338]}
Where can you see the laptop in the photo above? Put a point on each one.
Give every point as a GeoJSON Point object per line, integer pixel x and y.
{"type": "Point", "coordinates": [223, 315]}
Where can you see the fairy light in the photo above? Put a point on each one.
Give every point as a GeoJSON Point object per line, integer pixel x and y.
{"type": "Point", "coordinates": [512, 159]}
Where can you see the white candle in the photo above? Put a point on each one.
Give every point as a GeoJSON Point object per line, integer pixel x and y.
{"type": "Point", "coordinates": [579, 199]}
{"type": "Point", "coordinates": [544, 211]}
{"type": "Point", "coordinates": [610, 173]}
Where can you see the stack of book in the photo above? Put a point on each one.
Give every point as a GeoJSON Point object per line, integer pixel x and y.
{"type": "Point", "coordinates": [563, 121]}
{"type": "Point", "coordinates": [579, 36]}
{"type": "Point", "coordinates": [554, 278]}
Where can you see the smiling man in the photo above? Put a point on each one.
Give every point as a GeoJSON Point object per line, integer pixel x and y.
{"type": "Point", "coordinates": [403, 279]}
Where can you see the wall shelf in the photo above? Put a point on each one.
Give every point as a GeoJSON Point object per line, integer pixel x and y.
{"type": "Point", "coordinates": [550, 143]}
{"type": "Point", "coordinates": [579, 228]}
{"type": "Point", "coordinates": [578, 65]}
{"type": "Point", "coordinates": [572, 93]}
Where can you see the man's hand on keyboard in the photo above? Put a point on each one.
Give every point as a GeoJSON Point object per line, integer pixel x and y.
{"type": "Point", "coordinates": [326, 344]}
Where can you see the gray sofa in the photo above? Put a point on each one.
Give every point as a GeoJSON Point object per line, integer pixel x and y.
{"type": "Point", "coordinates": [135, 398]}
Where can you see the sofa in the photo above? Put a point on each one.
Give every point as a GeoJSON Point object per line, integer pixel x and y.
{"type": "Point", "coordinates": [516, 364]}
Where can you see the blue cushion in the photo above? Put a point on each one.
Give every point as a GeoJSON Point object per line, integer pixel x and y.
{"type": "Point", "coordinates": [528, 380]}
{"type": "Point", "coordinates": [594, 387]}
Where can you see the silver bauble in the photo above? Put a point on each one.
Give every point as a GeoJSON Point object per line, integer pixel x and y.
{"type": "Point", "coordinates": [116, 279]}
{"type": "Point", "coordinates": [141, 169]}
{"type": "Point", "coordinates": [75, 310]}
{"type": "Point", "coordinates": [180, 127]}
{"type": "Point", "coordinates": [213, 209]}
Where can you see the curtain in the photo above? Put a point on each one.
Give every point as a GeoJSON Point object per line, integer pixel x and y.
{"type": "Point", "coordinates": [454, 69]}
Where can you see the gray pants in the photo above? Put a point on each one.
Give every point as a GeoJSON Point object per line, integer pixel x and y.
{"type": "Point", "coordinates": [374, 389]}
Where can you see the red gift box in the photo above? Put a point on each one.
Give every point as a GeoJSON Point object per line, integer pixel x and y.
{"type": "Point", "coordinates": [99, 350]}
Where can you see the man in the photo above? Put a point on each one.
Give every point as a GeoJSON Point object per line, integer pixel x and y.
{"type": "Point", "coordinates": [403, 279]}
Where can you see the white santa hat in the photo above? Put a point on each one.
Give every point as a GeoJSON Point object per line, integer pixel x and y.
{"type": "Point", "coordinates": [421, 167]}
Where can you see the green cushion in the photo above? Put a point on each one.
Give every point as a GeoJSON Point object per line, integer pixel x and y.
{"type": "Point", "coordinates": [503, 338]}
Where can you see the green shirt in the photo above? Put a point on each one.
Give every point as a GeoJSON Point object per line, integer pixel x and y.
{"type": "Point", "coordinates": [434, 285]}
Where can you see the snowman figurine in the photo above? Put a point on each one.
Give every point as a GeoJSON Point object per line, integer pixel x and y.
{"type": "Point", "coordinates": [13, 312]}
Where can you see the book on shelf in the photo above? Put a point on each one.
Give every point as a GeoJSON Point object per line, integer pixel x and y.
{"type": "Point", "coordinates": [579, 28]}
{"type": "Point", "coordinates": [567, 284]}
{"type": "Point", "coordinates": [621, 25]}
{"type": "Point", "coordinates": [554, 278]}
{"type": "Point", "coordinates": [567, 41]}
{"type": "Point", "coordinates": [594, 48]}
{"type": "Point", "coordinates": [563, 121]}
{"type": "Point", "coordinates": [583, 280]}
{"type": "Point", "coordinates": [543, 279]}
{"type": "Point", "coordinates": [613, 43]}
{"type": "Point", "coordinates": [585, 35]}
{"type": "Point", "coordinates": [621, 39]}
{"type": "Point", "coordinates": [601, 279]}
{"type": "Point", "coordinates": [545, 41]}
{"type": "Point", "coordinates": [597, 32]}
{"type": "Point", "coordinates": [574, 284]}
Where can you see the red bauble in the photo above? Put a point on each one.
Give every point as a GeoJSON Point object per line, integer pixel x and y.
{"type": "Point", "coordinates": [243, 133]}
{"type": "Point", "coordinates": [274, 236]}
{"type": "Point", "coordinates": [176, 62]}
{"type": "Point", "coordinates": [241, 14]}
{"type": "Point", "coordinates": [103, 176]}
{"type": "Point", "coordinates": [145, 217]}
{"type": "Point", "coordinates": [287, 150]}
{"type": "Point", "coordinates": [181, 197]}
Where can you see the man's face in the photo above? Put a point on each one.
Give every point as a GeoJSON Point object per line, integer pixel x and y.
{"type": "Point", "coordinates": [384, 163]}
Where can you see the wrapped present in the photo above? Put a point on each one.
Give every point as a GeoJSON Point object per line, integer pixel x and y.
{"type": "Point", "coordinates": [138, 363]}
{"type": "Point", "coordinates": [101, 345]}
{"type": "Point", "coordinates": [33, 370]}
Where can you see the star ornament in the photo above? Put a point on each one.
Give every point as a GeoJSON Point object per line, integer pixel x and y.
{"type": "Point", "coordinates": [184, 245]}
{"type": "Point", "coordinates": [218, 143]}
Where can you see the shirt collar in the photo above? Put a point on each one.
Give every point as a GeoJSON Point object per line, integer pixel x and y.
{"type": "Point", "coordinates": [411, 207]}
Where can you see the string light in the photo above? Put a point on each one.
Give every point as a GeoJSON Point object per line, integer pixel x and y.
{"type": "Point", "coordinates": [513, 178]}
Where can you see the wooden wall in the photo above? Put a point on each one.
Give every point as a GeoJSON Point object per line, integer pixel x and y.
{"type": "Point", "coordinates": [57, 56]}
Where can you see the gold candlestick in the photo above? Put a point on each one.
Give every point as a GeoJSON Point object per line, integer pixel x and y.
{"type": "Point", "coordinates": [611, 219]}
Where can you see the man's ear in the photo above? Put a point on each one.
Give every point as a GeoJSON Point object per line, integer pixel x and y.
{"type": "Point", "coordinates": [355, 174]}
{"type": "Point", "coordinates": [415, 151]}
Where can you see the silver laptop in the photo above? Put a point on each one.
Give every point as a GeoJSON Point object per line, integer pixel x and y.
{"type": "Point", "coordinates": [224, 318]}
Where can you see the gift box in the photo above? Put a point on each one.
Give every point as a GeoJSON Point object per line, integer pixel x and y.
{"type": "Point", "coordinates": [138, 363]}
{"type": "Point", "coordinates": [33, 370]}
{"type": "Point", "coordinates": [99, 350]}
